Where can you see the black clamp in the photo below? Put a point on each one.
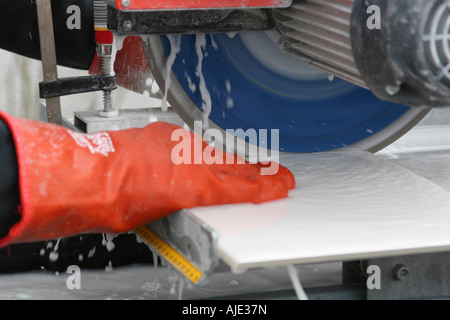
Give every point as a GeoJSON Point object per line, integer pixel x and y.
{"type": "Point", "coordinates": [76, 85]}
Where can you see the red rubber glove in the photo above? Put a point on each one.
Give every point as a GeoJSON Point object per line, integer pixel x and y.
{"type": "Point", "coordinates": [116, 181]}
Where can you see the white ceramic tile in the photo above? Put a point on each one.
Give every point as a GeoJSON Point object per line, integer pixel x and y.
{"type": "Point", "coordinates": [347, 205]}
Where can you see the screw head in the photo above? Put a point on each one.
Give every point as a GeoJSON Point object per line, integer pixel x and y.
{"type": "Point", "coordinates": [400, 272]}
{"type": "Point", "coordinates": [127, 25]}
{"type": "Point", "coordinates": [125, 3]}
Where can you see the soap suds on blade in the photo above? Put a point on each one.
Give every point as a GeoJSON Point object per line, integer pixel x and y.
{"type": "Point", "coordinates": [200, 44]}
{"type": "Point", "coordinates": [175, 47]}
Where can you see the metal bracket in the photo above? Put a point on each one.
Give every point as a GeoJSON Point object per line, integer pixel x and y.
{"type": "Point", "coordinates": [142, 5]}
{"type": "Point", "coordinates": [89, 122]}
{"type": "Point", "coordinates": [210, 21]}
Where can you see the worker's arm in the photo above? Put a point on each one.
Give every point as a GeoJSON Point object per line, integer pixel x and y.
{"type": "Point", "coordinates": [113, 182]}
{"type": "Point", "coordinates": [9, 181]}
{"type": "Point", "coordinates": [73, 28]}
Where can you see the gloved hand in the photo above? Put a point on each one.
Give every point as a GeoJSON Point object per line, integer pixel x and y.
{"type": "Point", "coordinates": [113, 182]}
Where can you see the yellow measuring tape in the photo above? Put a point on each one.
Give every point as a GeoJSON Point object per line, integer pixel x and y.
{"type": "Point", "coordinates": [180, 263]}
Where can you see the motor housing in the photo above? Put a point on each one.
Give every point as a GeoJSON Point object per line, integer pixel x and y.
{"type": "Point", "coordinates": [400, 50]}
{"type": "Point", "coordinates": [407, 60]}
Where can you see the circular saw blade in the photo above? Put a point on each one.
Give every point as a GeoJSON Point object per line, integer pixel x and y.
{"type": "Point", "coordinates": [312, 111]}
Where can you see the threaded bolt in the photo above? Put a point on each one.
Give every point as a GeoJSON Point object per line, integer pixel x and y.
{"type": "Point", "coordinates": [107, 94]}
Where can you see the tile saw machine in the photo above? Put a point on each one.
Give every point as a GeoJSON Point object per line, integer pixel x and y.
{"type": "Point", "coordinates": [330, 75]}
